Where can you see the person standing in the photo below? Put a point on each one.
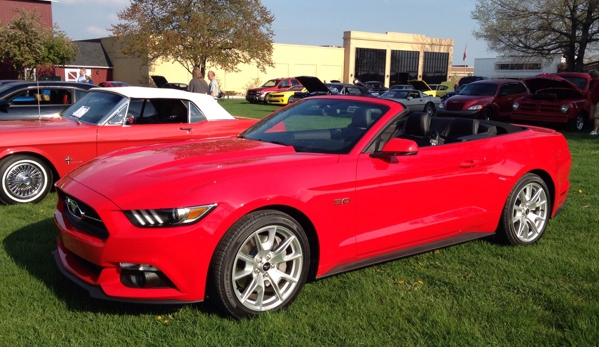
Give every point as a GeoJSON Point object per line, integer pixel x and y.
{"type": "Point", "coordinates": [197, 83]}
{"type": "Point", "coordinates": [81, 78]}
{"type": "Point", "coordinates": [595, 100]}
{"type": "Point", "coordinates": [213, 86]}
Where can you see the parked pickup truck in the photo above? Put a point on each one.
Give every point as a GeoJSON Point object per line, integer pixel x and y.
{"type": "Point", "coordinates": [557, 98]}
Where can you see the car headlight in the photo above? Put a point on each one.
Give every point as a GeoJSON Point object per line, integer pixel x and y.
{"type": "Point", "coordinates": [441, 105]}
{"type": "Point", "coordinates": [564, 108]}
{"type": "Point", "coordinates": [474, 108]}
{"type": "Point", "coordinates": [515, 106]}
{"type": "Point", "coordinates": [168, 217]}
{"type": "Point", "coordinates": [259, 92]}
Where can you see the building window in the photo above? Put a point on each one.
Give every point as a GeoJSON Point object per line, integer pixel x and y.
{"type": "Point", "coordinates": [435, 67]}
{"type": "Point", "coordinates": [518, 66]}
{"type": "Point", "coordinates": [370, 64]}
{"type": "Point", "coordinates": [404, 66]}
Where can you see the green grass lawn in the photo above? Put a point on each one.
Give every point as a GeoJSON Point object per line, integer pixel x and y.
{"type": "Point", "coordinates": [474, 294]}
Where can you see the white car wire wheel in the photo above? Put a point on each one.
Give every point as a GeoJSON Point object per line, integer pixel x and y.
{"type": "Point", "coordinates": [25, 179]}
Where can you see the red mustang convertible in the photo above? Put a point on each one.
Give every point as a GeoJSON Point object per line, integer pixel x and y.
{"type": "Point", "coordinates": [325, 185]}
{"type": "Point", "coordinates": [35, 153]}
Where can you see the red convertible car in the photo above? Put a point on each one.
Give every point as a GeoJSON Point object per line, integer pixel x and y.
{"type": "Point", "coordinates": [303, 194]}
{"type": "Point", "coordinates": [35, 153]}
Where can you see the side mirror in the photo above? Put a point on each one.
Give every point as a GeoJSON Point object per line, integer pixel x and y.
{"type": "Point", "coordinates": [396, 147]}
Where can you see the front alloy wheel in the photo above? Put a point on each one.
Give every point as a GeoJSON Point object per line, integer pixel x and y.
{"type": "Point", "coordinates": [24, 179]}
{"type": "Point", "coordinates": [526, 212]}
{"type": "Point", "coordinates": [261, 264]}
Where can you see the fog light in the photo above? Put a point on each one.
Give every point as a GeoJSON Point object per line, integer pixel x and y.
{"type": "Point", "coordinates": [144, 279]}
{"type": "Point", "coordinates": [139, 267]}
{"type": "Point", "coordinates": [564, 108]}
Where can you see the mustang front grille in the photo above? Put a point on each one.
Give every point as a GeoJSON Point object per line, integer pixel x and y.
{"type": "Point", "coordinates": [83, 217]}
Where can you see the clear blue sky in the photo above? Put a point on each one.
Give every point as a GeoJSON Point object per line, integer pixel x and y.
{"type": "Point", "coordinates": [315, 22]}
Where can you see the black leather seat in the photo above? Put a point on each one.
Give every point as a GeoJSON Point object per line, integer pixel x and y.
{"type": "Point", "coordinates": [417, 128]}
{"type": "Point", "coordinates": [458, 128]}
{"type": "Point", "coordinates": [360, 121]}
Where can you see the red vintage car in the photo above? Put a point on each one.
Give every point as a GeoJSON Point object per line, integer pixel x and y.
{"type": "Point", "coordinates": [35, 153]}
{"type": "Point", "coordinates": [305, 193]}
{"type": "Point", "coordinates": [556, 98]}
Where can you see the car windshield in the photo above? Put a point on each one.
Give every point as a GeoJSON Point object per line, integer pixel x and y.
{"type": "Point", "coordinates": [577, 81]}
{"type": "Point", "coordinates": [482, 89]}
{"type": "Point", "coordinates": [270, 83]}
{"type": "Point", "coordinates": [396, 94]}
{"type": "Point", "coordinates": [93, 107]}
{"type": "Point", "coordinates": [318, 125]}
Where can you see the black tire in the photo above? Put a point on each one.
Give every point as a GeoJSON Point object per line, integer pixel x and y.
{"type": "Point", "coordinates": [25, 179]}
{"type": "Point", "coordinates": [526, 212]}
{"type": "Point", "coordinates": [429, 108]}
{"type": "Point", "coordinates": [266, 98]}
{"type": "Point", "coordinates": [487, 114]}
{"type": "Point", "coordinates": [247, 279]}
{"type": "Point", "coordinates": [577, 123]}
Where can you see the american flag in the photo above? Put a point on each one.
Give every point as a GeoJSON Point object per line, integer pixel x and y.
{"type": "Point", "coordinates": [465, 51]}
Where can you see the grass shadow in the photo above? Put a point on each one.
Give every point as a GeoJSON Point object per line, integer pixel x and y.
{"type": "Point", "coordinates": [31, 246]}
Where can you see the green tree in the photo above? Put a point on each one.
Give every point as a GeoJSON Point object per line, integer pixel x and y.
{"type": "Point", "coordinates": [26, 43]}
{"type": "Point", "coordinates": [539, 28]}
{"type": "Point", "coordinates": [191, 32]}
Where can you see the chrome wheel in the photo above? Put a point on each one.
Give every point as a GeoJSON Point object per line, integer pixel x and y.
{"type": "Point", "coordinates": [267, 268]}
{"type": "Point", "coordinates": [24, 179]}
{"type": "Point", "coordinates": [530, 212]}
{"type": "Point", "coordinates": [260, 265]}
{"type": "Point", "coordinates": [527, 211]}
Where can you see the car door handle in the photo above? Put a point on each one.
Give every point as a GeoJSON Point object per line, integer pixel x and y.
{"type": "Point", "coordinates": [183, 128]}
{"type": "Point", "coordinates": [469, 164]}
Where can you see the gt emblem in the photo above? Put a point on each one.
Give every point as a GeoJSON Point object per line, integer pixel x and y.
{"type": "Point", "coordinates": [343, 201]}
{"type": "Point", "coordinates": [74, 208]}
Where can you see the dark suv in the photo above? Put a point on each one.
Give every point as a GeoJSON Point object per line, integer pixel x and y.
{"type": "Point", "coordinates": [275, 85]}
{"type": "Point", "coordinates": [484, 99]}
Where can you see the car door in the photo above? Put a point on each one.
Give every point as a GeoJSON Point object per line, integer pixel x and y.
{"type": "Point", "coordinates": [507, 94]}
{"type": "Point", "coordinates": [407, 200]}
{"type": "Point", "coordinates": [415, 101]}
{"type": "Point", "coordinates": [154, 121]}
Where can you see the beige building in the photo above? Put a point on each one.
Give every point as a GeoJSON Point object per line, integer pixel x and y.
{"type": "Point", "coordinates": [392, 58]}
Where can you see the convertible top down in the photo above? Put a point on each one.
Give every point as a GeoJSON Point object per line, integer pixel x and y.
{"type": "Point", "coordinates": [324, 185]}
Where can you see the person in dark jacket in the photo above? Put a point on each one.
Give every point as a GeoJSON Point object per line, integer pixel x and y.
{"type": "Point", "coordinates": [197, 83]}
{"type": "Point", "coordinates": [595, 100]}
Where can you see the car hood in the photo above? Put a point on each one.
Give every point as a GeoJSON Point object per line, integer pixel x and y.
{"type": "Point", "coordinates": [419, 85]}
{"type": "Point", "coordinates": [470, 99]}
{"type": "Point", "coordinates": [547, 81]}
{"type": "Point", "coordinates": [44, 124]}
{"type": "Point", "coordinates": [313, 84]}
{"type": "Point", "coordinates": [129, 176]}
{"type": "Point", "coordinates": [160, 81]}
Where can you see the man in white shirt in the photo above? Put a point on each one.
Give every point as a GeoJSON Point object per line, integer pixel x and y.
{"type": "Point", "coordinates": [213, 86]}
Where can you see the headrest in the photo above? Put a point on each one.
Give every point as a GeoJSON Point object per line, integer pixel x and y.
{"type": "Point", "coordinates": [418, 124]}
{"type": "Point", "coordinates": [462, 127]}
{"type": "Point", "coordinates": [38, 97]}
{"type": "Point", "coordinates": [361, 118]}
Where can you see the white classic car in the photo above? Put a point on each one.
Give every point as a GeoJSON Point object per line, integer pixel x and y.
{"type": "Point", "coordinates": [415, 100]}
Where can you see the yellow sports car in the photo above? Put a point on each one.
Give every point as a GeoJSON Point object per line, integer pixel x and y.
{"type": "Point", "coordinates": [282, 98]}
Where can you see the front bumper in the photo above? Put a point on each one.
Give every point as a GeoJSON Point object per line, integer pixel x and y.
{"type": "Point", "coordinates": [182, 254]}
{"type": "Point", "coordinates": [541, 117]}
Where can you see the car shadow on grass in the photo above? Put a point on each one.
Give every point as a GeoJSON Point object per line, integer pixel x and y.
{"type": "Point", "coordinates": [31, 249]}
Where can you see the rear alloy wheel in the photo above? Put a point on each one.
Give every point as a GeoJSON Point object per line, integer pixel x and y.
{"type": "Point", "coordinates": [576, 123]}
{"type": "Point", "coordinates": [526, 212]}
{"type": "Point", "coordinates": [261, 264]}
{"type": "Point", "coordinates": [429, 108]}
{"type": "Point", "coordinates": [24, 179]}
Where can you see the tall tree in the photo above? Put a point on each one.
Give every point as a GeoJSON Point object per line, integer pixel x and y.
{"type": "Point", "coordinates": [191, 32]}
{"type": "Point", "coordinates": [528, 28]}
{"type": "Point", "coordinates": [26, 43]}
